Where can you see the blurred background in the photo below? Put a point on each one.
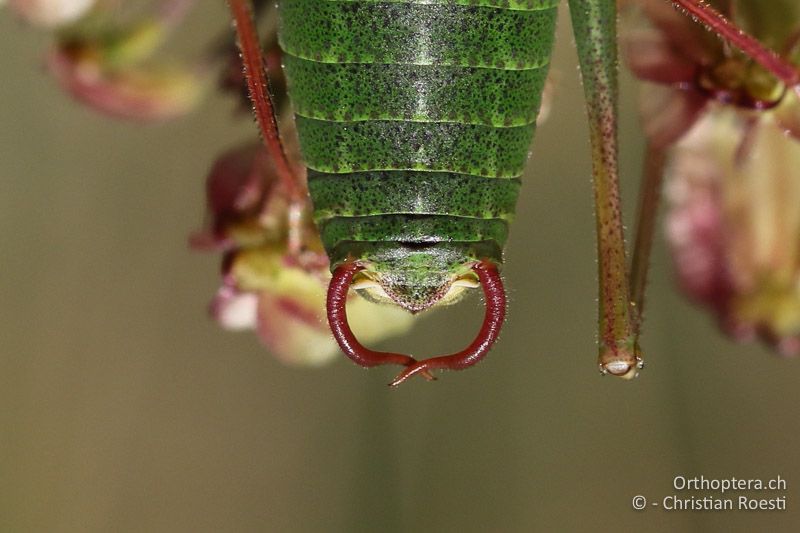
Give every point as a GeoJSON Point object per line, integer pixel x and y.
{"type": "Point", "coordinates": [125, 408]}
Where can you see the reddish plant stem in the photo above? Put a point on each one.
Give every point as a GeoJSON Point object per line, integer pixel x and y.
{"type": "Point", "coordinates": [719, 24]}
{"type": "Point", "coordinates": [647, 214]}
{"type": "Point", "coordinates": [258, 88]}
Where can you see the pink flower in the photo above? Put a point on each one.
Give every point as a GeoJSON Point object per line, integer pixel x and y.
{"type": "Point", "coordinates": [113, 68]}
{"type": "Point", "coordinates": [143, 93]}
{"type": "Point", "coordinates": [266, 287]}
{"type": "Point", "coordinates": [687, 68]}
{"type": "Point", "coordinates": [733, 224]}
{"type": "Point", "coordinates": [733, 170]}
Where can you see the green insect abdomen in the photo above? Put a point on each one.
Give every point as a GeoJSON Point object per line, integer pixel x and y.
{"type": "Point", "coordinates": [415, 118]}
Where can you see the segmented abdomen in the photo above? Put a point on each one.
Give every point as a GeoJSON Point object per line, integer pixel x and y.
{"type": "Point", "coordinates": [415, 117]}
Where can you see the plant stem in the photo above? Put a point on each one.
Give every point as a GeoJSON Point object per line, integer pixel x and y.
{"type": "Point", "coordinates": [646, 217]}
{"type": "Point", "coordinates": [719, 24]}
{"type": "Point", "coordinates": [258, 87]}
